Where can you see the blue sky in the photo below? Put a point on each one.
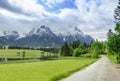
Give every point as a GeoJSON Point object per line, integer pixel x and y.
{"type": "Point", "coordinates": [94, 17]}
{"type": "Point", "coordinates": [55, 7]}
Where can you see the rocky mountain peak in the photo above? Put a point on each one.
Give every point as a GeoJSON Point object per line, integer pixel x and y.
{"type": "Point", "coordinates": [45, 37]}
{"type": "Point", "coordinates": [42, 30]}
{"type": "Point", "coordinates": [77, 30]}
{"type": "Point", "coordinates": [11, 33]}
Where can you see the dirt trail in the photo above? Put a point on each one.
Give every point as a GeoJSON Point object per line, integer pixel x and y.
{"type": "Point", "coordinates": [102, 70]}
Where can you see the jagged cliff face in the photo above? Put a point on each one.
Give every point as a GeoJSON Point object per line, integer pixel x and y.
{"type": "Point", "coordinates": [44, 37]}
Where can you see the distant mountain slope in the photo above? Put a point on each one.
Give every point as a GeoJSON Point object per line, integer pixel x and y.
{"type": "Point", "coordinates": [71, 35]}
{"type": "Point", "coordinates": [44, 37]}
{"type": "Point", "coordinates": [9, 37]}
{"type": "Point", "coordinates": [41, 37]}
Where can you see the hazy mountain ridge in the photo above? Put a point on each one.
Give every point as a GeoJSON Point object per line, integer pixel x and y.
{"type": "Point", "coordinates": [44, 37]}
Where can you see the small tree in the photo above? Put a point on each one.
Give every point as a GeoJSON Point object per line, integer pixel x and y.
{"type": "Point", "coordinates": [42, 54]}
{"type": "Point", "coordinates": [76, 52]}
{"type": "Point", "coordinates": [96, 49]}
{"type": "Point", "coordinates": [23, 55]}
{"type": "Point", "coordinates": [79, 51]}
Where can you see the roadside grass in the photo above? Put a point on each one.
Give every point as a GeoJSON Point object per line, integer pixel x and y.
{"type": "Point", "coordinates": [112, 58]}
{"type": "Point", "coordinates": [42, 71]}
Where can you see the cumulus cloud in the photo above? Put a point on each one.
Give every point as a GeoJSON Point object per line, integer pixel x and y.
{"type": "Point", "coordinates": [97, 15]}
{"type": "Point", "coordinates": [6, 5]}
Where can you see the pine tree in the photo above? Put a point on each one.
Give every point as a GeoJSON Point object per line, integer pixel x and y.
{"type": "Point", "coordinates": [75, 44]}
{"type": "Point", "coordinates": [66, 49]}
{"type": "Point", "coordinates": [109, 33]}
{"type": "Point", "coordinates": [117, 13]}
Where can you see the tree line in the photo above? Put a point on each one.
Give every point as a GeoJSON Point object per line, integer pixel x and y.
{"type": "Point", "coordinates": [52, 50]}
{"type": "Point", "coordinates": [77, 49]}
{"type": "Point", "coordinates": [113, 42]}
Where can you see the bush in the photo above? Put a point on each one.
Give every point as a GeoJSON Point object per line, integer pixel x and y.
{"type": "Point", "coordinates": [78, 52]}
{"type": "Point", "coordinates": [94, 55]}
{"type": "Point", "coordinates": [112, 58]}
{"type": "Point", "coordinates": [87, 55]}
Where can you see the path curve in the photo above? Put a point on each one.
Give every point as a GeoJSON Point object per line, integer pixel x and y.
{"type": "Point", "coordinates": [102, 70]}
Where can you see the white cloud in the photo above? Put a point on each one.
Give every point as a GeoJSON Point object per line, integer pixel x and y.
{"type": "Point", "coordinates": [92, 16]}
{"type": "Point", "coordinates": [51, 3]}
{"type": "Point", "coordinates": [16, 16]}
{"type": "Point", "coordinates": [30, 7]}
{"type": "Point", "coordinates": [96, 17]}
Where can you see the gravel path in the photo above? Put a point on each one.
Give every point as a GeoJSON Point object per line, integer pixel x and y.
{"type": "Point", "coordinates": [102, 70]}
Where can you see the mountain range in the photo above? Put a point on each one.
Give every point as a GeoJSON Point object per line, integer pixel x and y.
{"type": "Point", "coordinates": [44, 37]}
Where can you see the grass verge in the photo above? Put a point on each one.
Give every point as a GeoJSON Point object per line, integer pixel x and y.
{"type": "Point", "coordinates": [66, 74]}
{"type": "Point", "coordinates": [112, 58]}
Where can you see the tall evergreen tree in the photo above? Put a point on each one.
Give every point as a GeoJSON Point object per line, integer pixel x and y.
{"type": "Point", "coordinates": [109, 33]}
{"type": "Point", "coordinates": [66, 49]}
{"type": "Point", "coordinates": [75, 44]}
{"type": "Point", "coordinates": [117, 13]}
{"type": "Point", "coordinates": [117, 29]}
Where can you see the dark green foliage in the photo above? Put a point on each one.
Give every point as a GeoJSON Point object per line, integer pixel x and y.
{"type": "Point", "coordinates": [23, 55]}
{"type": "Point", "coordinates": [82, 46]}
{"type": "Point", "coordinates": [114, 44]}
{"type": "Point", "coordinates": [76, 52]}
{"type": "Point", "coordinates": [117, 28]}
{"type": "Point", "coordinates": [80, 50]}
{"type": "Point", "coordinates": [117, 13]}
{"type": "Point", "coordinates": [75, 44]}
{"type": "Point", "coordinates": [74, 49]}
{"type": "Point", "coordinates": [65, 50]}
{"type": "Point", "coordinates": [71, 51]}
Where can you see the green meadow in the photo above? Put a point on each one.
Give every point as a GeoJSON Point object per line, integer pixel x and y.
{"type": "Point", "coordinates": [51, 70]}
{"type": "Point", "coordinates": [41, 71]}
{"type": "Point", "coordinates": [17, 53]}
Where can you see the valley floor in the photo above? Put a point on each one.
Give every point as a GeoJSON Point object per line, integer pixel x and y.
{"type": "Point", "coordinates": [102, 70]}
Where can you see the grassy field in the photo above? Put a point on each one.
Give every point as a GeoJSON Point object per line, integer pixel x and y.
{"type": "Point", "coordinates": [42, 71]}
{"type": "Point", "coordinates": [17, 53]}
{"type": "Point", "coordinates": [39, 71]}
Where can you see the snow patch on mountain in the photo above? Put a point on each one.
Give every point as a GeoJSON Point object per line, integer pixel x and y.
{"type": "Point", "coordinates": [45, 37]}
{"type": "Point", "coordinates": [70, 31]}
{"type": "Point", "coordinates": [11, 33]}
{"type": "Point", "coordinates": [42, 30]}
